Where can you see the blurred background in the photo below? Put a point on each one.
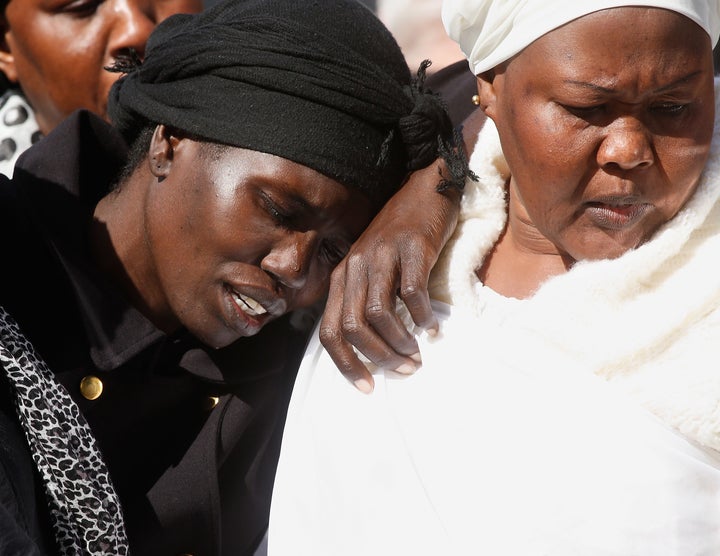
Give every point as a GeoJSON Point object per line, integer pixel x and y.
{"type": "Point", "coordinates": [418, 29]}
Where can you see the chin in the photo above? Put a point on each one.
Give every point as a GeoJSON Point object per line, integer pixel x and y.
{"type": "Point", "coordinates": [608, 252]}
{"type": "Point", "coordinates": [610, 244]}
{"type": "Point", "coordinates": [228, 336]}
{"type": "Point", "coordinates": [216, 339]}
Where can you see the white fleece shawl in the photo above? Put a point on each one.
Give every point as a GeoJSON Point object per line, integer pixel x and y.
{"type": "Point", "coordinates": [648, 321]}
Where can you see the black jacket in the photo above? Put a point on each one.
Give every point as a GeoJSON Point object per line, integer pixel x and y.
{"type": "Point", "coordinates": [193, 477]}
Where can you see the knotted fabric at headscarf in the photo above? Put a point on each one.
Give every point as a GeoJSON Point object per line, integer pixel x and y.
{"type": "Point", "coordinates": [322, 83]}
{"type": "Point", "coordinates": [493, 31]}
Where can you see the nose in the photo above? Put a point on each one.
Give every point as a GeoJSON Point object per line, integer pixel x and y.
{"type": "Point", "coordinates": [290, 261]}
{"type": "Point", "coordinates": [626, 145]}
{"type": "Point", "coordinates": [132, 23]}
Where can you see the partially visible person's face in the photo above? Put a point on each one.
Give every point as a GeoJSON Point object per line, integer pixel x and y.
{"type": "Point", "coordinates": [237, 238]}
{"type": "Point", "coordinates": [57, 49]}
{"type": "Point", "coordinates": [606, 125]}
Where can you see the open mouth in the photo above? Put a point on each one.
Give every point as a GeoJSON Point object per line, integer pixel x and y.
{"type": "Point", "coordinates": [248, 305]}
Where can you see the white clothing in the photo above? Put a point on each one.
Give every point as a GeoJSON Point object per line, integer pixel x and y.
{"type": "Point", "coordinates": [462, 459]}
{"type": "Point", "coordinates": [18, 129]}
{"type": "Point", "coordinates": [490, 32]}
{"type": "Point", "coordinates": [582, 421]}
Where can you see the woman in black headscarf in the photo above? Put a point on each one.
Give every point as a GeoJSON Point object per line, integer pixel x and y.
{"type": "Point", "coordinates": [263, 135]}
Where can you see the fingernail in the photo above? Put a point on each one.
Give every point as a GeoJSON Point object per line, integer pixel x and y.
{"type": "Point", "coordinates": [406, 369]}
{"type": "Point", "coordinates": [363, 385]}
{"type": "Point", "coordinates": [416, 357]}
{"type": "Point", "coordinates": [432, 332]}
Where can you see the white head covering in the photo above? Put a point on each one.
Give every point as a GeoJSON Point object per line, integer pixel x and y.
{"type": "Point", "coordinates": [492, 31]}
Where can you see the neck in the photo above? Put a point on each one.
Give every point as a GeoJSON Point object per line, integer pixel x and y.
{"type": "Point", "coordinates": [522, 258]}
{"type": "Point", "coordinates": [119, 248]}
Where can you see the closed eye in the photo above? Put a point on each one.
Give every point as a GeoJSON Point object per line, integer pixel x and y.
{"type": "Point", "coordinates": [670, 108]}
{"type": "Point", "coordinates": [585, 111]}
{"type": "Point", "coordinates": [281, 216]}
{"type": "Point", "coordinates": [81, 8]}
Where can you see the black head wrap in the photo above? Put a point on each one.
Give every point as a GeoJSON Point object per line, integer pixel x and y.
{"type": "Point", "coordinates": [319, 82]}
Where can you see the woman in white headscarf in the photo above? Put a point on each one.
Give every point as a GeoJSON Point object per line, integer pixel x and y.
{"type": "Point", "coordinates": [571, 403]}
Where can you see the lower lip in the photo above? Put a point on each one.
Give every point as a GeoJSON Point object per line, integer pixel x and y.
{"type": "Point", "coordinates": [616, 217]}
{"type": "Point", "coordinates": [243, 323]}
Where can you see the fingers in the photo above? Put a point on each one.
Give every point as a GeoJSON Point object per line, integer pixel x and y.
{"type": "Point", "coordinates": [414, 291]}
{"type": "Point", "coordinates": [345, 358]}
{"type": "Point", "coordinates": [331, 336]}
{"type": "Point", "coordinates": [365, 318]}
{"type": "Point", "coordinates": [387, 342]}
{"type": "Point", "coordinates": [392, 258]}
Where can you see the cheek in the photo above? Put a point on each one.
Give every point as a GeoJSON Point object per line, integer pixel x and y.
{"type": "Point", "coordinates": [28, 59]}
{"type": "Point", "coordinates": [180, 263]}
{"type": "Point", "coordinates": [63, 74]}
{"type": "Point", "coordinates": [540, 144]}
{"type": "Point", "coordinates": [543, 182]}
{"type": "Point", "coordinates": [683, 164]}
{"type": "Point", "coordinates": [83, 73]}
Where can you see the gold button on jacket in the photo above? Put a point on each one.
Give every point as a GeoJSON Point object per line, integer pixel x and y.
{"type": "Point", "coordinates": [91, 387]}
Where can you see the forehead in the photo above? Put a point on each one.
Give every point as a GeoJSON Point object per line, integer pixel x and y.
{"type": "Point", "coordinates": [307, 189]}
{"type": "Point", "coordinates": [611, 41]}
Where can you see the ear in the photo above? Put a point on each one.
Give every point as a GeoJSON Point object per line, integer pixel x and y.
{"type": "Point", "coordinates": [7, 60]}
{"type": "Point", "coordinates": [487, 91]}
{"type": "Point", "coordinates": [162, 151]}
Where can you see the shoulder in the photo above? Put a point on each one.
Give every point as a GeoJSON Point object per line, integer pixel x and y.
{"type": "Point", "coordinates": [82, 152]}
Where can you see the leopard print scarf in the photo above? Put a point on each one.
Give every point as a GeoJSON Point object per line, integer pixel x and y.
{"type": "Point", "coordinates": [84, 507]}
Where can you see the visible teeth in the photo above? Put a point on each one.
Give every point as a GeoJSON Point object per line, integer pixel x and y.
{"type": "Point", "coordinates": [251, 307]}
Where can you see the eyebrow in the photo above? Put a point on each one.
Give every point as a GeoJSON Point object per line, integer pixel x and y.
{"type": "Point", "coordinates": [606, 90]}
